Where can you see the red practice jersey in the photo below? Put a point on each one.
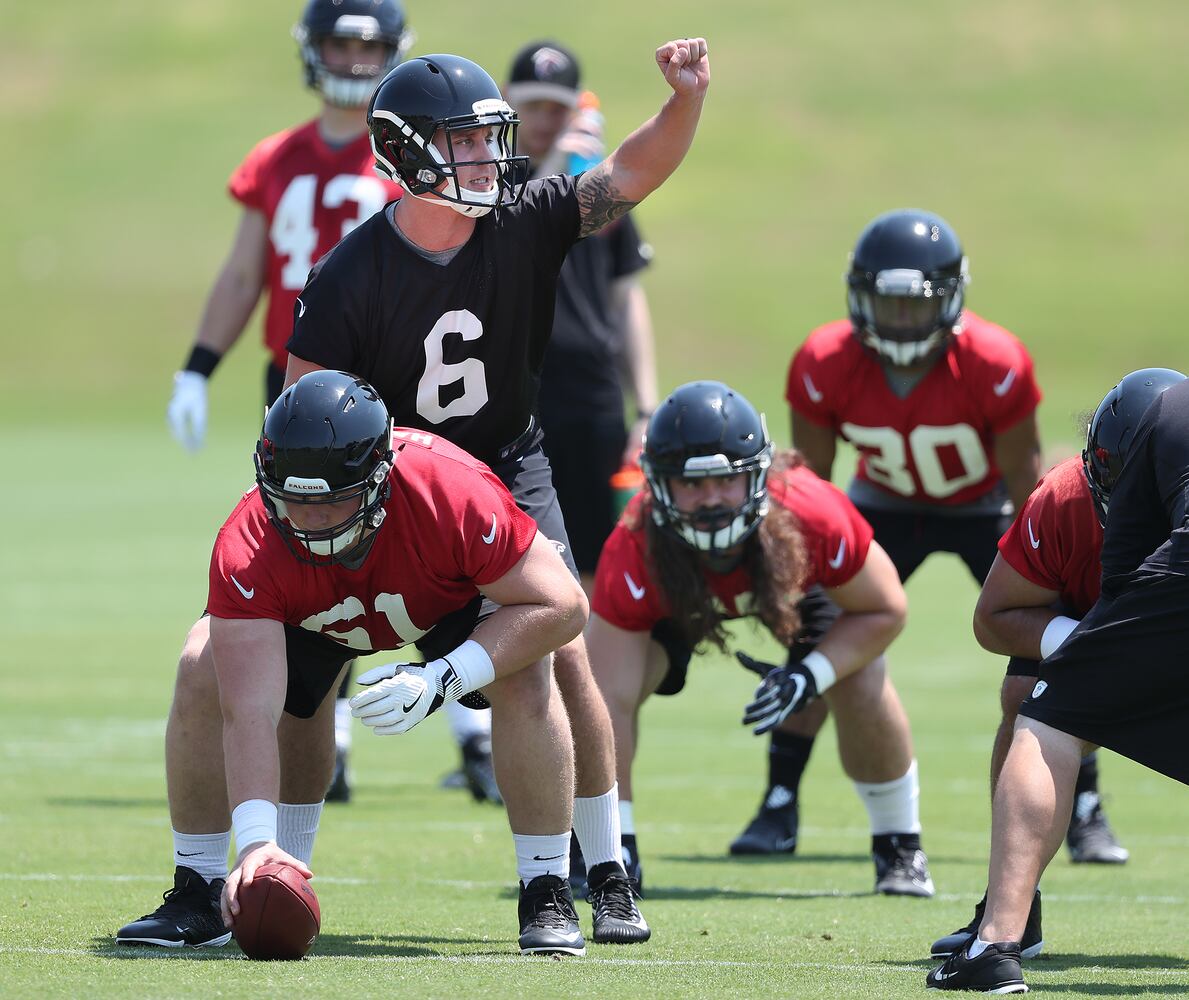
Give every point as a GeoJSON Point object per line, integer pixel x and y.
{"type": "Point", "coordinates": [1056, 540]}
{"type": "Point", "coordinates": [936, 445]}
{"type": "Point", "coordinates": [835, 536]}
{"type": "Point", "coordinates": [312, 195]}
{"type": "Point", "coordinates": [451, 526]}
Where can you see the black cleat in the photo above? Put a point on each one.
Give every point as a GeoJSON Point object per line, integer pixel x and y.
{"type": "Point", "coordinates": [631, 861]}
{"type": "Point", "coordinates": [579, 888]}
{"type": "Point", "coordinates": [901, 868]}
{"type": "Point", "coordinates": [1090, 838]}
{"type": "Point", "coordinates": [1031, 944]}
{"type": "Point", "coordinates": [773, 830]}
{"type": "Point", "coordinates": [188, 916]}
{"type": "Point", "coordinates": [617, 919]}
{"type": "Point", "coordinates": [996, 970]}
{"type": "Point", "coordinates": [478, 770]}
{"type": "Point", "coordinates": [548, 920]}
{"type": "Point", "coordinates": [340, 784]}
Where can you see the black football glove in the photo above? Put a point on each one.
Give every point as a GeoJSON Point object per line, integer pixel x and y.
{"type": "Point", "coordinates": [761, 667]}
{"type": "Point", "coordinates": [783, 691]}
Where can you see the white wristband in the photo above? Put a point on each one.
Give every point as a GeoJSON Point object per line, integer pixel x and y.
{"type": "Point", "coordinates": [1055, 633]}
{"type": "Point", "coordinates": [254, 822]}
{"type": "Point", "coordinates": [822, 669]}
{"type": "Point", "coordinates": [463, 670]}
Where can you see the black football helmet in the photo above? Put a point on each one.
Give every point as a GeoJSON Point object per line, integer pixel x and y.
{"type": "Point", "coordinates": [707, 429]}
{"type": "Point", "coordinates": [442, 95]}
{"type": "Point", "coordinates": [327, 439]}
{"type": "Point", "coordinates": [1112, 429]}
{"type": "Point", "coordinates": [906, 285]}
{"type": "Point", "coordinates": [370, 20]}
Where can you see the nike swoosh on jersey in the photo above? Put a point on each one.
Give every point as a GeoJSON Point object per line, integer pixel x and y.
{"type": "Point", "coordinates": [490, 536]}
{"type": "Point", "coordinates": [634, 588]}
{"type": "Point", "coordinates": [301, 308]}
{"type": "Point", "coordinates": [1001, 388]}
{"type": "Point", "coordinates": [1031, 537]}
{"type": "Point", "coordinates": [248, 594]}
{"type": "Point", "coordinates": [814, 392]}
{"type": "Point", "coordinates": [837, 560]}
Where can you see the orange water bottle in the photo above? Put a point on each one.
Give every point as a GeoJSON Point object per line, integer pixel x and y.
{"type": "Point", "coordinates": [625, 484]}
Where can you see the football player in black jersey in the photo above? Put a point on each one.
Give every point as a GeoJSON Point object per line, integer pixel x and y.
{"type": "Point", "coordinates": [1117, 681]}
{"type": "Point", "coordinates": [445, 301]}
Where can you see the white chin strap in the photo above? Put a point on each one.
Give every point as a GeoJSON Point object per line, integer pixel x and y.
{"type": "Point", "coordinates": [904, 353]}
{"type": "Point", "coordinates": [723, 538]}
{"type": "Point", "coordinates": [335, 546]}
{"type": "Point", "coordinates": [470, 211]}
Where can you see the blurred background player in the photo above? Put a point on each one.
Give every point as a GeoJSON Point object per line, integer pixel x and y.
{"type": "Point", "coordinates": [1114, 679]}
{"type": "Point", "coordinates": [725, 530]}
{"type": "Point", "coordinates": [941, 405]}
{"type": "Point", "coordinates": [602, 328]}
{"type": "Point", "coordinates": [445, 303]}
{"type": "Point", "coordinates": [302, 190]}
{"type": "Point", "coordinates": [1045, 578]}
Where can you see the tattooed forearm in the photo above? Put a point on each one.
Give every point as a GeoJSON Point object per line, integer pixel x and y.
{"type": "Point", "coordinates": [599, 201]}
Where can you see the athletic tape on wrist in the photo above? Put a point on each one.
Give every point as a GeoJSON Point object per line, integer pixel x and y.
{"type": "Point", "coordinates": [822, 669]}
{"type": "Point", "coordinates": [463, 670]}
{"type": "Point", "coordinates": [254, 821]}
{"type": "Point", "coordinates": [1055, 633]}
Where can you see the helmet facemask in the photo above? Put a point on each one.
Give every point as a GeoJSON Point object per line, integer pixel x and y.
{"type": "Point", "coordinates": [904, 315]}
{"type": "Point", "coordinates": [354, 88]}
{"type": "Point", "coordinates": [415, 161]}
{"type": "Point", "coordinates": [710, 530]}
{"type": "Point", "coordinates": [334, 544]}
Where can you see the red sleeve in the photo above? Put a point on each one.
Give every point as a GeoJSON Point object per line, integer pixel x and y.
{"type": "Point", "coordinates": [810, 387]}
{"type": "Point", "coordinates": [624, 593]}
{"type": "Point", "coordinates": [245, 579]}
{"type": "Point", "coordinates": [835, 535]}
{"type": "Point", "coordinates": [247, 182]}
{"type": "Point", "coordinates": [1034, 544]}
{"type": "Point", "coordinates": [493, 534]}
{"type": "Point", "coordinates": [1006, 381]}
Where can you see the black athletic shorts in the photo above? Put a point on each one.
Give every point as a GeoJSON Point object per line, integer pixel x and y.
{"type": "Point", "coordinates": [1018, 666]}
{"type": "Point", "coordinates": [818, 614]}
{"type": "Point", "coordinates": [274, 382]}
{"type": "Point", "coordinates": [909, 537]}
{"type": "Point", "coordinates": [527, 475]}
{"type": "Point", "coordinates": [1121, 681]}
{"type": "Point", "coordinates": [584, 455]}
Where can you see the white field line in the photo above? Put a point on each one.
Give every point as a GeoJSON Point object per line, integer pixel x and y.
{"type": "Point", "coordinates": [467, 884]}
{"type": "Point", "coordinates": [513, 959]}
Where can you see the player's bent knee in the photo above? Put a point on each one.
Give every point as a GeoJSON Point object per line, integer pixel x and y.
{"type": "Point", "coordinates": [524, 694]}
{"type": "Point", "coordinates": [864, 687]}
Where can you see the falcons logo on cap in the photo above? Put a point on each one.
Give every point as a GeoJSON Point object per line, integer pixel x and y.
{"type": "Point", "coordinates": [547, 61]}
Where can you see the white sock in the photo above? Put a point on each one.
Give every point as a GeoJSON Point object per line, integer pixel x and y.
{"type": "Point", "coordinates": [893, 806]}
{"type": "Point", "coordinates": [542, 855]}
{"type": "Point", "coordinates": [205, 853]}
{"type": "Point", "coordinates": [977, 947]}
{"type": "Point", "coordinates": [342, 723]}
{"type": "Point", "coordinates": [467, 722]}
{"type": "Point", "coordinates": [297, 826]}
{"type": "Point", "coordinates": [596, 822]}
{"type": "Point", "coordinates": [627, 822]}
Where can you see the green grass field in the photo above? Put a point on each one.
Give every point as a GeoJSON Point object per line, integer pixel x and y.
{"type": "Point", "coordinates": [1050, 135]}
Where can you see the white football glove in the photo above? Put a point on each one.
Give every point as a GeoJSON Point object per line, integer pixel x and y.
{"type": "Point", "coordinates": [398, 696]}
{"type": "Point", "coordinates": [187, 409]}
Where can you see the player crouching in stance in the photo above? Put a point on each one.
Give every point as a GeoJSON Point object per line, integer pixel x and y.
{"type": "Point", "coordinates": [1044, 580]}
{"type": "Point", "coordinates": [1067, 555]}
{"type": "Point", "coordinates": [360, 538]}
{"type": "Point", "coordinates": [726, 530]}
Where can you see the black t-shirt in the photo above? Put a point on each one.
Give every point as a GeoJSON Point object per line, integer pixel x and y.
{"type": "Point", "coordinates": [1147, 537]}
{"type": "Point", "coordinates": [585, 354]}
{"type": "Point", "coordinates": [457, 348]}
